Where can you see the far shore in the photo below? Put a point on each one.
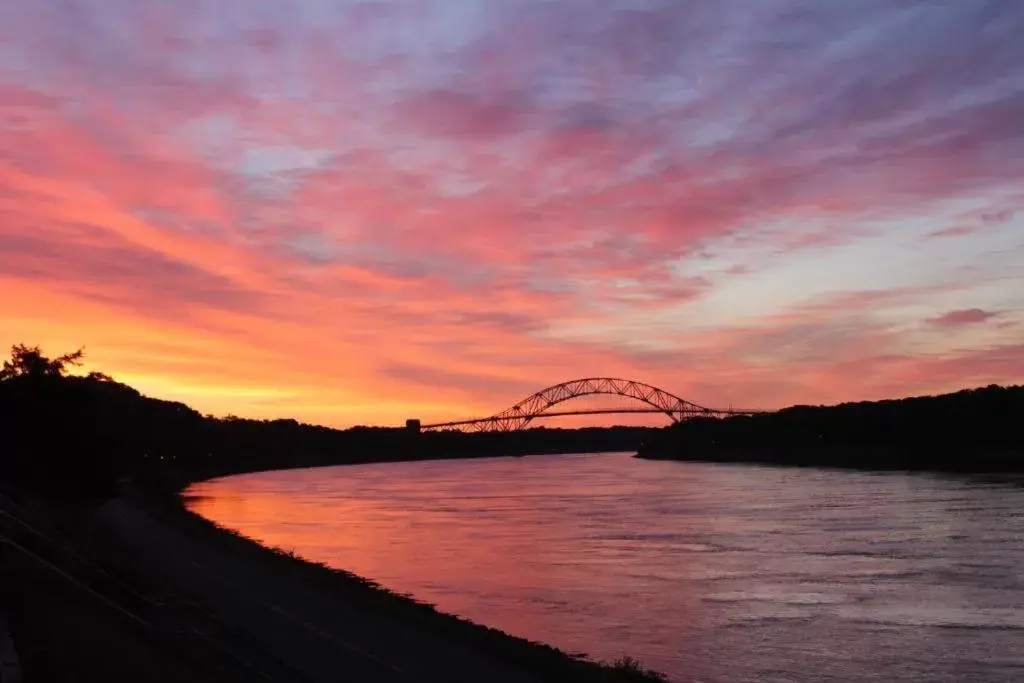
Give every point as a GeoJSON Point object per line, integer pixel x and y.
{"type": "Point", "coordinates": [968, 431]}
{"type": "Point", "coordinates": [991, 462]}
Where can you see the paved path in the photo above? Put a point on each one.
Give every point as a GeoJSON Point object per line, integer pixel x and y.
{"type": "Point", "coordinates": [314, 632]}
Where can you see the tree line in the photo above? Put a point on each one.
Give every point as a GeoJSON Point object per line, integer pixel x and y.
{"type": "Point", "coordinates": [79, 435]}
{"type": "Point", "coordinates": [970, 430]}
{"type": "Point", "coordinates": [72, 434]}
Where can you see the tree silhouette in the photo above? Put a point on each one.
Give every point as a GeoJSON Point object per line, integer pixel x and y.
{"type": "Point", "coordinates": [29, 361]}
{"type": "Point", "coordinates": [79, 434]}
{"type": "Point", "coordinates": [969, 430]}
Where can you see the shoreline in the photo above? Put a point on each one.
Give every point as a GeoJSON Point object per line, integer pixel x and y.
{"type": "Point", "coordinates": [192, 600]}
{"type": "Point", "coordinates": [182, 479]}
{"type": "Point", "coordinates": [538, 658]}
{"type": "Point", "coordinates": [888, 459]}
{"type": "Point", "coordinates": [968, 431]}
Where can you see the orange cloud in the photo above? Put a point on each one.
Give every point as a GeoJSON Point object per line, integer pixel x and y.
{"type": "Point", "coordinates": [259, 217]}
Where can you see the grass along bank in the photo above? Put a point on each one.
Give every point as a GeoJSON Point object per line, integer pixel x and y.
{"type": "Point", "coordinates": [539, 659]}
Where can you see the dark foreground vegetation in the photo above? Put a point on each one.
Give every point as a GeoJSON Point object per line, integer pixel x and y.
{"type": "Point", "coordinates": [84, 605]}
{"type": "Point", "coordinates": [975, 430]}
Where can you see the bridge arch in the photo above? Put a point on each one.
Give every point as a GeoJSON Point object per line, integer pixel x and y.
{"type": "Point", "coordinates": [539, 404]}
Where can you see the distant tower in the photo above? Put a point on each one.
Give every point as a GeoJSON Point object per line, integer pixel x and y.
{"type": "Point", "coordinates": [412, 425]}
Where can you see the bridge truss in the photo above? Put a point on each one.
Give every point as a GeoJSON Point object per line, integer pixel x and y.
{"type": "Point", "coordinates": [540, 404]}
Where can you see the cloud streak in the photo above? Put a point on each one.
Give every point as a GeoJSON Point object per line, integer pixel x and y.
{"type": "Point", "coordinates": [967, 316]}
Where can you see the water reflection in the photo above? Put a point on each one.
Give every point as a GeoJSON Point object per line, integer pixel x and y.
{"type": "Point", "coordinates": [720, 573]}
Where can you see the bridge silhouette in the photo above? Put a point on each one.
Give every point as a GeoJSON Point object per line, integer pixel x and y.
{"type": "Point", "coordinates": [543, 404]}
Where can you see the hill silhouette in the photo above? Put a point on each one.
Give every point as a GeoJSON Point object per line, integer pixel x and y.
{"type": "Point", "coordinates": [974, 430]}
{"type": "Point", "coordinates": [77, 435]}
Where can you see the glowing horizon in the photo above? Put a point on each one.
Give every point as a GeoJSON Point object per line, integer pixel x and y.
{"type": "Point", "coordinates": [358, 212]}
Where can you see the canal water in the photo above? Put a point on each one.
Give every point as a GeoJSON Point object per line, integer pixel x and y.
{"type": "Point", "coordinates": [706, 572]}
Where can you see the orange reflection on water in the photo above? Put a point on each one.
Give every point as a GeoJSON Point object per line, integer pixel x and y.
{"type": "Point", "coordinates": [716, 573]}
{"type": "Point", "coordinates": [491, 546]}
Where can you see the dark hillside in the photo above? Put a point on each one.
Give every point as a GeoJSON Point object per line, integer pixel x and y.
{"type": "Point", "coordinates": [76, 436]}
{"type": "Point", "coordinates": [970, 430]}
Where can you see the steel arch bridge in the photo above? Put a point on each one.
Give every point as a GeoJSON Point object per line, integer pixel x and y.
{"type": "Point", "coordinates": [540, 404]}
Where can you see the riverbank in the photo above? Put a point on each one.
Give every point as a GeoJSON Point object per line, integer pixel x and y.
{"type": "Point", "coordinates": [179, 591]}
{"type": "Point", "coordinates": [970, 431]}
{"type": "Point", "coordinates": [500, 651]}
{"type": "Point", "coordinates": [1004, 461]}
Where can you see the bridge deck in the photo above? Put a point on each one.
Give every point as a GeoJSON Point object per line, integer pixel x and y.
{"type": "Point", "coordinates": [564, 413]}
{"type": "Point", "coordinates": [559, 413]}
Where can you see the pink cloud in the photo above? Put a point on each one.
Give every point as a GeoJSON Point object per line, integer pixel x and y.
{"type": "Point", "coordinates": [455, 114]}
{"type": "Point", "coordinates": [967, 316]}
{"type": "Point", "coordinates": [393, 227]}
{"type": "Point", "coordinates": [954, 231]}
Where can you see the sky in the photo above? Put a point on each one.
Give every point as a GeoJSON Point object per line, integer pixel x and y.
{"type": "Point", "coordinates": [359, 212]}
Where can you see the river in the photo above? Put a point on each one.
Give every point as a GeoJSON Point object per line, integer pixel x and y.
{"type": "Point", "coordinates": [713, 573]}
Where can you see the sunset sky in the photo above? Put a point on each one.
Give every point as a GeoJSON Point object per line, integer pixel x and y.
{"type": "Point", "coordinates": [358, 212]}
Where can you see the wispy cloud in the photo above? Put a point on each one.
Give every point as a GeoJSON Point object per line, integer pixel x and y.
{"type": "Point", "coordinates": [967, 316]}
